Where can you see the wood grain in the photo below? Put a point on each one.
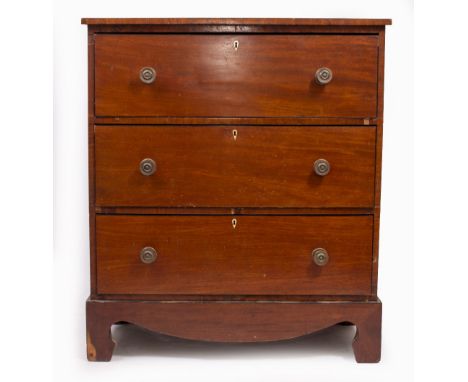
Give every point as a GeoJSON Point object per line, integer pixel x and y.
{"type": "Point", "coordinates": [235, 22]}
{"type": "Point", "coordinates": [267, 121]}
{"type": "Point", "coordinates": [203, 75]}
{"type": "Point", "coordinates": [232, 211]}
{"type": "Point", "coordinates": [204, 166]}
{"type": "Point", "coordinates": [227, 298]}
{"type": "Point", "coordinates": [237, 29]}
{"type": "Point", "coordinates": [256, 282]}
{"type": "Point", "coordinates": [261, 255]}
{"type": "Point", "coordinates": [378, 161]}
{"type": "Point", "coordinates": [235, 322]}
{"type": "Point", "coordinates": [91, 165]}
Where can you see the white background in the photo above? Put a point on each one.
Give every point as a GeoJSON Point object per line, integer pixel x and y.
{"type": "Point", "coordinates": [26, 191]}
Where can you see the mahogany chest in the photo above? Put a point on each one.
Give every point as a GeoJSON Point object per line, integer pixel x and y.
{"type": "Point", "coordinates": [234, 178]}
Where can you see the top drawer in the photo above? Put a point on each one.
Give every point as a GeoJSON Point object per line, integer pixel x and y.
{"type": "Point", "coordinates": [235, 75]}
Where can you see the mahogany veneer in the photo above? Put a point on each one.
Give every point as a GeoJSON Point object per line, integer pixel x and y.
{"type": "Point", "coordinates": [266, 254]}
{"type": "Point", "coordinates": [209, 166]}
{"type": "Point", "coordinates": [266, 76]}
{"type": "Point", "coordinates": [234, 178]}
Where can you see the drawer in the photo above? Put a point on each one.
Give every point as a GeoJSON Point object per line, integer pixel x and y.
{"type": "Point", "coordinates": [206, 75]}
{"type": "Point", "coordinates": [262, 255]}
{"type": "Point", "coordinates": [244, 166]}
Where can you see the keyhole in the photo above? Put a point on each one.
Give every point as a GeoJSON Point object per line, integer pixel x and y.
{"type": "Point", "coordinates": [234, 223]}
{"type": "Point", "coordinates": [236, 45]}
{"type": "Point", "coordinates": [234, 134]}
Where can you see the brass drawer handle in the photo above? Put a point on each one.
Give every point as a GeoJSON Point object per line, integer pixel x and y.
{"type": "Point", "coordinates": [322, 167]}
{"type": "Point", "coordinates": [323, 76]}
{"type": "Point", "coordinates": [147, 167]}
{"type": "Point", "coordinates": [148, 255]}
{"type": "Point", "coordinates": [320, 256]}
{"type": "Point", "coordinates": [147, 75]}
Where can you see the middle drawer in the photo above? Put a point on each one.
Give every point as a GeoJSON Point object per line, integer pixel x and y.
{"type": "Point", "coordinates": [229, 166]}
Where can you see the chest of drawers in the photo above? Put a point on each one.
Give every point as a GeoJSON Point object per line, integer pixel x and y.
{"type": "Point", "coordinates": [234, 178]}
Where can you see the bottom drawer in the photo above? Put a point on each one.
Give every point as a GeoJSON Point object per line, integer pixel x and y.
{"type": "Point", "coordinates": [246, 255]}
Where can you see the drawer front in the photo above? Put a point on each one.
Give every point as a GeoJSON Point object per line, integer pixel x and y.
{"type": "Point", "coordinates": [266, 76]}
{"type": "Point", "coordinates": [245, 166]}
{"type": "Point", "coordinates": [263, 255]}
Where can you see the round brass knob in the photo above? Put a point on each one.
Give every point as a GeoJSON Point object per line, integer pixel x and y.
{"type": "Point", "coordinates": [322, 167]}
{"type": "Point", "coordinates": [320, 256]}
{"type": "Point", "coordinates": [148, 255]}
{"type": "Point", "coordinates": [147, 75]}
{"type": "Point", "coordinates": [323, 76]}
{"type": "Point", "coordinates": [147, 166]}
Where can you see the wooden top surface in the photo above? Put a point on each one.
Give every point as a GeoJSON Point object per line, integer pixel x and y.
{"type": "Point", "coordinates": [240, 21]}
